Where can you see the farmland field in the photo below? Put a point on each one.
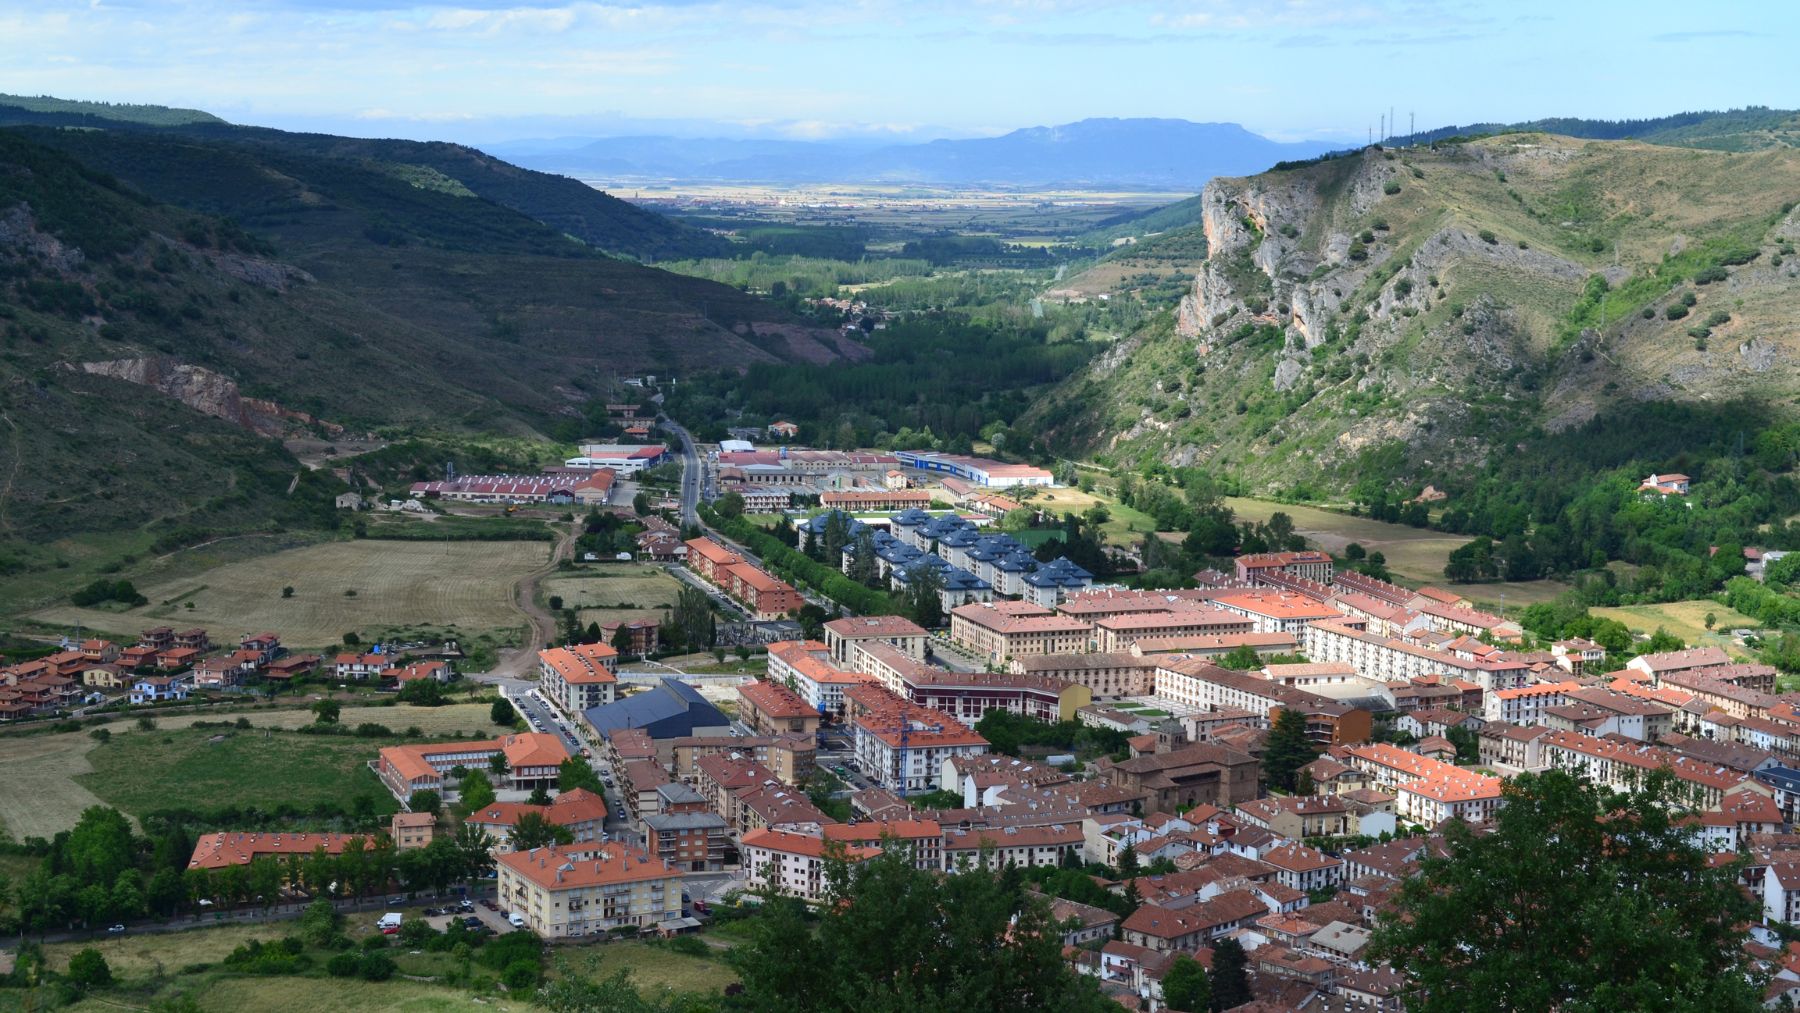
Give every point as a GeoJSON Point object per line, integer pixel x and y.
{"type": "Point", "coordinates": [41, 796]}
{"type": "Point", "coordinates": [135, 770]}
{"type": "Point", "coordinates": [1415, 555]}
{"type": "Point", "coordinates": [462, 584]}
{"type": "Point", "coordinates": [599, 591]}
{"type": "Point", "coordinates": [1687, 620]}
{"type": "Point", "coordinates": [321, 995]}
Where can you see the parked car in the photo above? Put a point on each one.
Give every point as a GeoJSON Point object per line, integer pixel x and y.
{"type": "Point", "coordinates": [115, 929]}
{"type": "Point", "coordinates": [472, 922]}
{"type": "Point", "coordinates": [466, 904]}
{"type": "Point", "coordinates": [516, 920]}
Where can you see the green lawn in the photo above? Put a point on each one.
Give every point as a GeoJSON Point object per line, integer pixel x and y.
{"type": "Point", "coordinates": [141, 772]}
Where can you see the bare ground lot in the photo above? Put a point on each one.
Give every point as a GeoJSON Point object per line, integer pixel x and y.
{"type": "Point", "coordinates": [40, 772]}
{"type": "Point", "coordinates": [462, 584]}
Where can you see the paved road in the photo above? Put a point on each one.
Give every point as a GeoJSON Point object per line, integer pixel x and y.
{"type": "Point", "coordinates": [279, 913]}
{"type": "Point", "coordinates": [691, 476]}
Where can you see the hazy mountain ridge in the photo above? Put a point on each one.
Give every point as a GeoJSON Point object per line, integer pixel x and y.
{"type": "Point", "coordinates": [1156, 153]}
{"type": "Point", "coordinates": [1423, 305]}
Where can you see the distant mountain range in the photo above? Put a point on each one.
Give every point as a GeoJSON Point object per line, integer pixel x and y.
{"type": "Point", "coordinates": [1154, 153]}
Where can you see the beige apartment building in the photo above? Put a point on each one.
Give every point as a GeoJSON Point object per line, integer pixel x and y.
{"type": "Point", "coordinates": [583, 890]}
{"type": "Point", "coordinates": [1003, 630]}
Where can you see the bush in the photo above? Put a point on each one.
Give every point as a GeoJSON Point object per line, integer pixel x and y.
{"type": "Point", "coordinates": [1675, 311]}
{"type": "Point", "coordinates": [378, 941]}
{"type": "Point", "coordinates": [1488, 237]}
{"type": "Point", "coordinates": [1649, 312]}
{"type": "Point", "coordinates": [690, 946]}
{"type": "Point", "coordinates": [520, 976]}
{"type": "Point", "coordinates": [375, 967]}
{"type": "Point", "coordinates": [88, 969]}
{"type": "Point", "coordinates": [1358, 251]}
{"type": "Point", "coordinates": [1707, 276]}
{"type": "Point", "coordinates": [1688, 299]}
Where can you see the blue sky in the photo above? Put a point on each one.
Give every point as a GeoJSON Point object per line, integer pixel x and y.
{"type": "Point", "coordinates": [488, 70]}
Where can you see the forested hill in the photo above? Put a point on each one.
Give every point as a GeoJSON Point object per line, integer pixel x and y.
{"type": "Point", "coordinates": [156, 321]}
{"type": "Point", "coordinates": [596, 218]}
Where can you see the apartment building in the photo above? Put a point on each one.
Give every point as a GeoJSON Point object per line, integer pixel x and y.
{"type": "Point", "coordinates": [898, 632]}
{"type": "Point", "coordinates": [771, 708]}
{"type": "Point", "coordinates": [583, 890]}
{"type": "Point", "coordinates": [1274, 611]}
{"type": "Point", "coordinates": [806, 666]}
{"type": "Point", "coordinates": [1118, 633]}
{"type": "Point", "coordinates": [794, 864]}
{"type": "Point", "coordinates": [900, 745]}
{"type": "Point", "coordinates": [578, 677]}
{"type": "Point", "coordinates": [1002, 630]}
{"type": "Point", "coordinates": [1105, 674]}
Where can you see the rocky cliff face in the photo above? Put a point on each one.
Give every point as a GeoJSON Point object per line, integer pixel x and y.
{"type": "Point", "coordinates": [1420, 304]}
{"type": "Point", "coordinates": [209, 393]}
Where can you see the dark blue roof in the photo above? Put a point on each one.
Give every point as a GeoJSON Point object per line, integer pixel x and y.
{"type": "Point", "coordinates": [1781, 777]}
{"type": "Point", "coordinates": [669, 709]}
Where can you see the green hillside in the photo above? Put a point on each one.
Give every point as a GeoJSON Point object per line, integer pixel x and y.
{"type": "Point", "coordinates": [108, 112]}
{"type": "Point", "coordinates": [147, 345]}
{"type": "Point", "coordinates": [563, 205]}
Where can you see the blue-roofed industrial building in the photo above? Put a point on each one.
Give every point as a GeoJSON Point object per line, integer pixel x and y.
{"type": "Point", "coordinates": [668, 709]}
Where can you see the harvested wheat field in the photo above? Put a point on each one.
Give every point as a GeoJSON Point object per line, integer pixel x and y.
{"type": "Point", "coordinates": [41, 797]}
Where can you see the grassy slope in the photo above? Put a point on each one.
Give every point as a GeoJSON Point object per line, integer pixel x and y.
{"type": "Point", "coordinates": [1412, 375]}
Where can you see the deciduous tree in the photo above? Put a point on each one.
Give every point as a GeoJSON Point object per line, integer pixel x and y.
{"type": "Point", "coordinates": [1581, 899]}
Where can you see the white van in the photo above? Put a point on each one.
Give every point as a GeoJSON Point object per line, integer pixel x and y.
{"type": "Point", "coordinates": [516, 919]}
{"type": "Point", "coordinates": [389, 923]}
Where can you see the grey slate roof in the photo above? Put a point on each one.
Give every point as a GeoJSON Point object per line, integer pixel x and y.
{"type": "Point", "coordinates": [669, 709]}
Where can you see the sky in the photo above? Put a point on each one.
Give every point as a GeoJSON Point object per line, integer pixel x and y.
{"type": "Point", "coordinates": [483, 71]}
